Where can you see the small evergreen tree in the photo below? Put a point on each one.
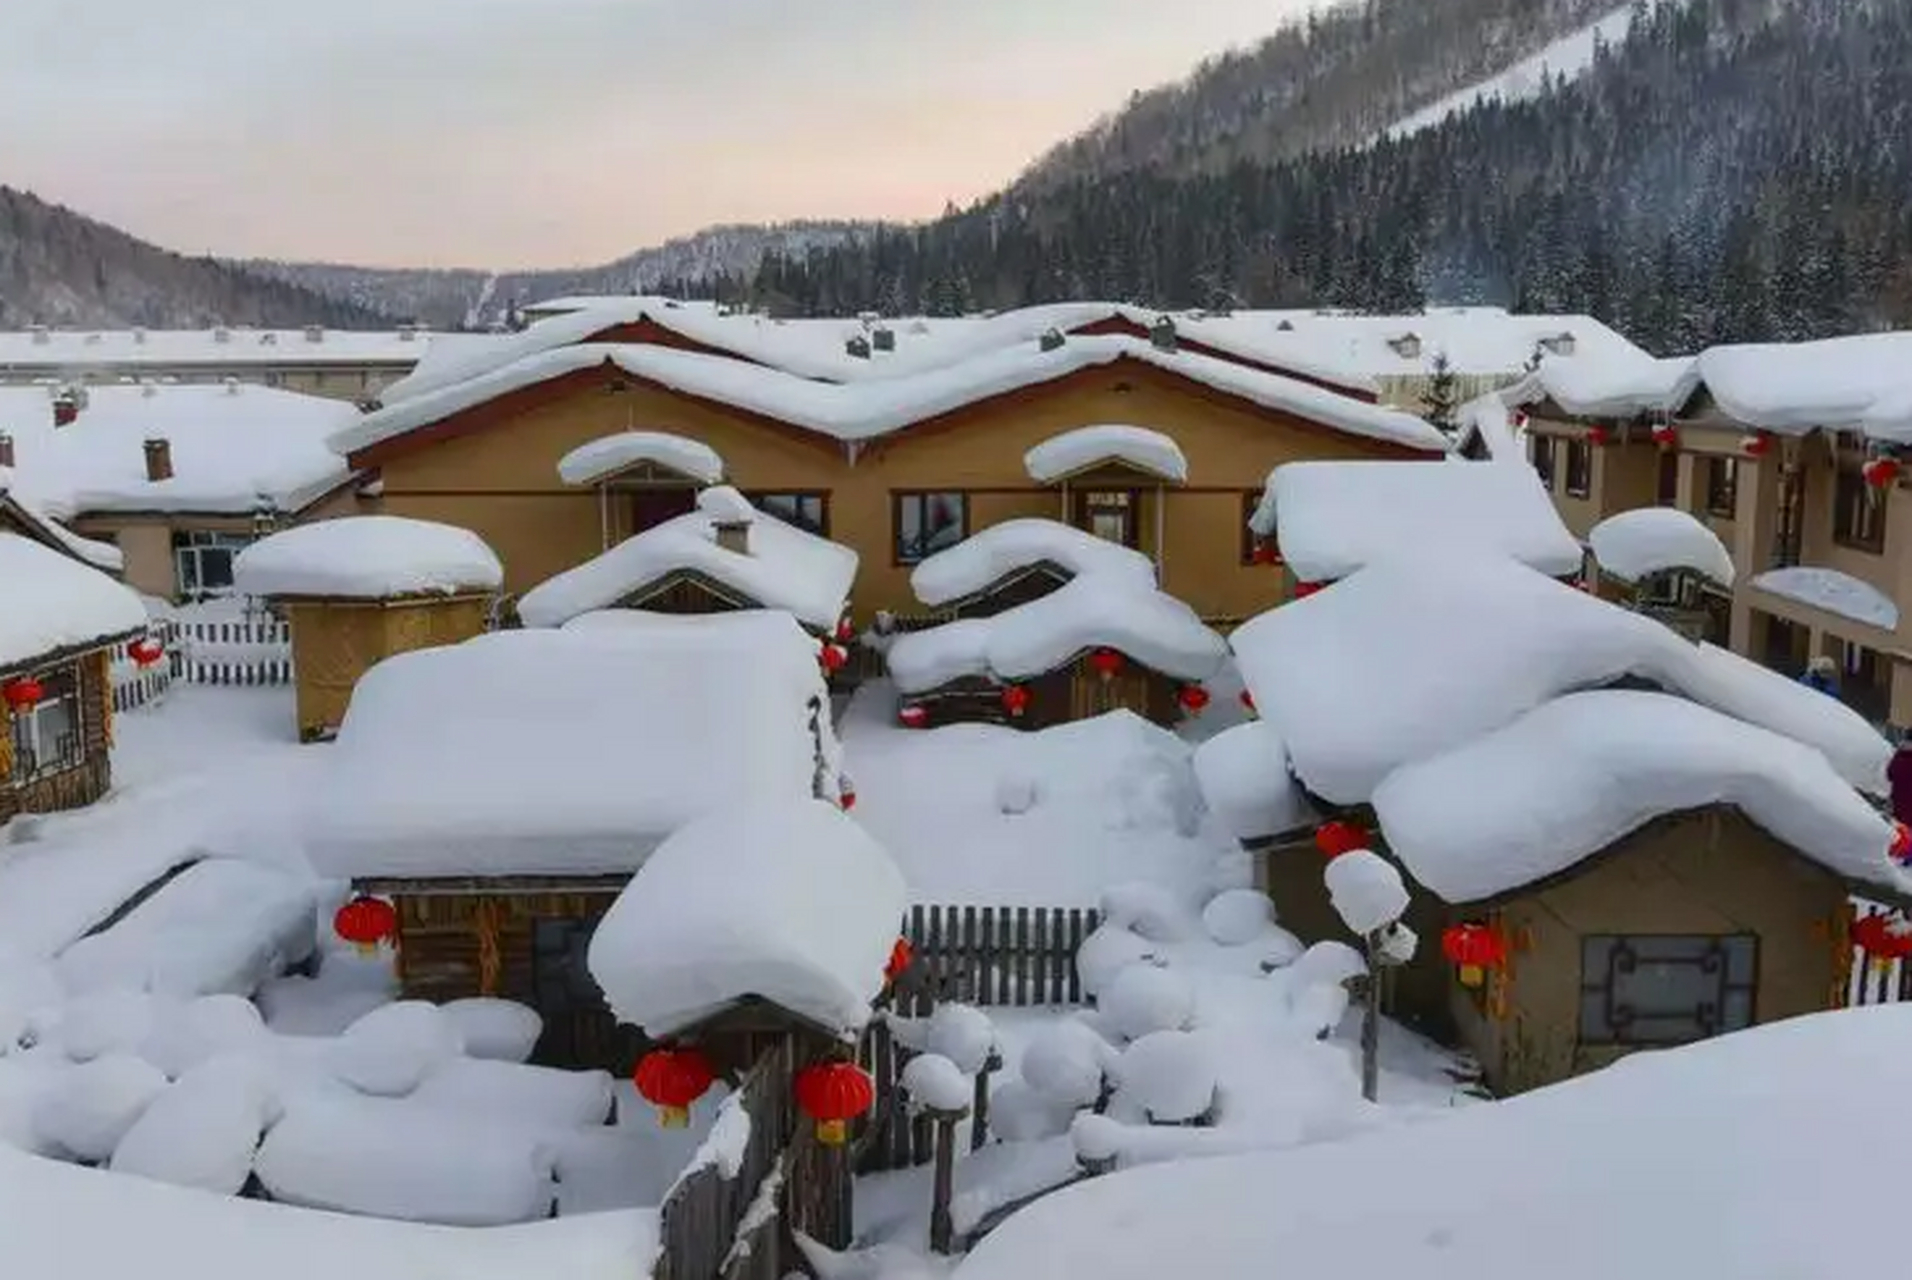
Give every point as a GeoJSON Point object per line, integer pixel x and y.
{"type": "Point", "coordinates": [1443, 394]}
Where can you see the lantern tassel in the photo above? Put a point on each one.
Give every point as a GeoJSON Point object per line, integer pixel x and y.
{"type": "Point", "coordinates": [366, 949]}
{"type": "Point", "coordinates": [833, 1133]}
{"type": "Point", "coordinates": [673, 1117]}
{"type": "Point", "coordinates": [1472, 975]}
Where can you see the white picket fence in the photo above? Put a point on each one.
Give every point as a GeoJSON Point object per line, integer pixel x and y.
{"type": "Point", "coordinates": [249, 651]}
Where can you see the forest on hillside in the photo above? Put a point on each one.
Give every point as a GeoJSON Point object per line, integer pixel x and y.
{"type": "Point", "coordinates": [1735, 170]}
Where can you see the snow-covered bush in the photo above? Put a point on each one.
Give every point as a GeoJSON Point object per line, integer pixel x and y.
{"type": "Point", "coordinates": [1107, 952]}
{"type": "Point", "coordinates": [1145, 998]}
{"type": "Point", "coordinates": [501, 1030]}
{"type": "Point", "coordinates": [203, 1131]}
{"type": "Point", "coordinates": [1149, 911]}
{"type": "Point", "coordinates": [1168, 1077]}
{"type": "Point", "coordinates": [88, 1109]}
{"type": "Point", "coordinates": [1366, 890]}
{"type": "Point", "coordinates": [934, 1083]}
{"type": "Point", "coordinates": [1065, 1063]}
{"type": "Point", "coordinates": [1018, 1113]}
{"type": "Point", "coordinates": [388, 1051]}
{"type": "Point", "coordinates": [959, 1032]}
{"type": "Point", "coordinates": [200, 1029]}
{"type": "Point", "coordinates": [1318, 985]}
{"type": "Point", "coordinates": [1236, 917]}
{"type": "Point", "coordinates": [29, 995]}
{"type": "Point", "coordinates": [106, 1022]}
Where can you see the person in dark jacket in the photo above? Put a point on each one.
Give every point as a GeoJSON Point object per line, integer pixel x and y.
{"type": "Point", "coordinates": [1822, 673]}
{"type": "Point", "coordinates": [1899, 774]}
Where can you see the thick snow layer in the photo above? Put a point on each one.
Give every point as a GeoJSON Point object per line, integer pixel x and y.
{"type": "Point", "coordinates": [1066, 1062]}
{"type": "Point", "coordinates": [1571, 777]}
{"type": "Point", "coordinates": [866, 410]}
{"type": "Point", "coordinates": [391, 1049]}
{"type": "Point", "coordinates": [232, 447]}
{"type": "Point", "coordinates": [659, 725]}
{"type": "Point", "coordinates": [961, 1033]}
{"type": "Point", "coordinates": [1477, 341]}
{"type": "Point", "coordinates": [1637, 544]}
{"type": "Point", "coordinates": [601, 459]}
{"type": "Point", "coordinates": [1333, 518]}
{"type": "Point", "coordinates": [517, 1094]}
{"type": "Point", "coordinates": [1153, 911]}
{"type": "Point", "coordinates": [1237, 917]}
{"type": "Point", "coordinates": [1739, 1115]}
{"type": "Point", "coordinates": [1622, 387]}
{"type": "Point", "coordinates": [790, 901]}
{"type": "Point", "coordinates": [368, 558]}
{"type": "Point", "coordinates": [1489, 419]}
{"type": "Point", "coordinates": [497, 1030]}
{"type": "Point", "coordinates": [395, 1160]}
{"type": "Point", "coordinates": [989, 555]}
{"type": "Point", "coordinates": [1060, 457]}
{"type": "Point", "coordinates": [935, 1083]}
{"type": "Point", "coordinates": [1833, 591]}
{"type": "Point", "coordinates": [1366, 891]}
{"type": "Point", "coordinates": [1146, 998]}
{"type": "Point", "coordinates": [55, 603]}
{"type": "Point", "coordinates": [221, 926]}
{"type": "Point", "coordinates": [87, 1110]}
{"type": "Point", "coordinates": [1243, 771]}
{"type": "Point", "coordinates": [1414, 657]}
{"type": "Point", "coordinates": [185, 1036]}
{"type": "Point", "coordinates": [1565, 59]}
{"type": "Point", "coordinates": [1154, 629]}
{"type": "Point", "coordinates": [1108, 953]}
{"type": "Point", "coordinates": [203, 1131]}
{"type": "Point", "coordinates": [1797, 387]}
{"type": "Point", "coordinates": [101, 555]}
{"type": "Point", "coordinates": [782, 567]}
{"type": "Point", "coordinates": [1170, 1074]}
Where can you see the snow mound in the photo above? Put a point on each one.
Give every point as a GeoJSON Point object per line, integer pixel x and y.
{"type": "Point", "coordinates": [1017, 1113]}
{"type": "Point", "coordinates": [1614, 386]}
{"type": "Point", "coordinates": [935, 1083]}
{"type": "Point", "coordinates": [56, 603]}
{"type": "Point", "coordinates": [989, 555]}
{"type": "Point", "coordinates": [503, 1030]}
{"type": "Point", "coordinates": [116, 1021]}
{"type": "Point", "coordinates": [603, 458]}
{"type": "Point", "coordinates": [89, 1108]}
{"type": "Point", "coordinates": [792, 902]}
{"type": "Point", "coordinates": [1237, 917]}
{"type": "Point", "coordinates": [1835, 592]}
{"type": "Point", "coordinates": [1366, 891]}
{"type": "Point", "coordinates": [186, 1036]}
{"type": "Point", "coordinates": [1244, 778]}
{"type": "Point", "coordinates": [368, 558]}
{"type": "Point", "coordinates": [516, 1093]}
{"type": "Point", "coordinates": [391, 1049]}
{"type": "Point", "coordinates": [1145, 998]}
{"type": "Point", "coordinates": [1799, 387]}
{"type": "Point", "coordinates": [1016, 793]}
{"type": "Point", "coordinates": [203, 1131]}
{"type": "Point", "coordinates": [1105, 953]}
{"type": "Point", "coordinates": [30, 996]}
{"type": "Point", "coordinates": [1149, 452]}
{"type": "Point", "coordinates": [1638, 544]}
{"type": "Point", "coordinates": [963, 1034]}
{"type": "Point", "coordinates": [1170, 1074]}
{"type": "Point", "coordinates": [1149, 910]}
{"type": "Point", "coordinates": [1064, 1063]}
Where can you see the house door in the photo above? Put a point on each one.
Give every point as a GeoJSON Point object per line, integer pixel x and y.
{"type": "Point", "coordinates": [1108, 514]}
{"type": "Point", "coordinates": [1091, 695]}
{"type": "Point", "coordinates": [579, 1028]}
{"type": "Point", "coordinates": [652, 507]}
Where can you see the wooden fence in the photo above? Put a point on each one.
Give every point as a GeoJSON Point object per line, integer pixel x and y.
{"type": "Point", "coordinates": [135, 686]}
{"type": "Point", "coordinates": [244, 652]}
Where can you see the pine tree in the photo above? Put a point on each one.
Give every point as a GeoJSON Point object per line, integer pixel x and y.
{"type": "Point", "coordinates": [1443, 394]}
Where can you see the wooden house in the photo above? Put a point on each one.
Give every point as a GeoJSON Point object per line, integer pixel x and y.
{"type": "Point", "coordinates": [60, 619]}
{"type": "Point", "coordinates": [1016, 562]}
{"type": "Point", "coordinates": [1664, 563]}
{"type": "Point", "coordinates": [558, 760]}
{"type": "Point", "coordinates": [357, 590]}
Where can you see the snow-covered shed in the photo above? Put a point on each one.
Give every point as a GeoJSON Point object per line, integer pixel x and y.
{"type": "Point", "coordinates": [1640, 840]}
{"type": "Point", "coordinates": [1102, 642]}
{"type": "Point", "coordinates": [1017, 561]}
{"type": "Point", "coordinates": [1329, 519]}
{"type": "Point", "coordinates": [357, 590]}
{"type": "Point", "coordinates": [558, 760]}
{"type": "Point", "coordinates": [60, 618]}
{"type": "Point", "coordinates": [724, 555]}
{"type": "Point", "coordinates": [1667, 564]}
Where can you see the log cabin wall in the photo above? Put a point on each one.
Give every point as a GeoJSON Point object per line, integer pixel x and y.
{"type": "Point", "coordinates": [90, 779]}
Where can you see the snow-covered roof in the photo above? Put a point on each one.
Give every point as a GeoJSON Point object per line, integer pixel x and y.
{"type": "Point", "coordinates": [1243, 772]}
{"type": "Point", "coordinates": [61, 350]}
{"type": "Point", "coordinates": [784, 567]}
{"type": "Point", "coordinates": [101, 555]}
{"type": "Point", "coordinates": [1416, 656]}
{"type": "Point", "coordinates": [866, 410]}
{"type": "Point", "coordinates": [1484, 1191]}
{"type": "Point", "coordinates": [1833, 591]}
{"type": "Point", "coordinates": [989, 555]}
{"type": "Point", "coordinates": [659, 725]}
{"type": "Point", "coordinates": [1332, 518]}
{"type": "Point", "coordinates": [1617, 388]}
{"type": "Point", "coordinates": [1487, 417]}
{"type": "Point", "coordinates": [231, 446]}
{"type": "Point", "coordinates": [1638, 544]}
{"type": "Point", "coordinates": [1574, 775]}
{"type": "Point", "coordinates": [788, 900]}
{"type": "Point", "coordinates": [1797, 387]}
{"type": "Point", "coordinates": [50, 602]}
{"type": "Point", "coordinates": [1485, 341]}
{"type": "Point", "coordinates": [1060, 457]}
{"type": "Point", "coordinates": [368, 558]}
{"type": "Point", "coordinates": [600, 459]}
{"type": "Point", "coordinates": [1092, 612]}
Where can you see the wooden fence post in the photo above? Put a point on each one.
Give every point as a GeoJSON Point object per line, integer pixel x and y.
{"type": "Point", "coordinates": [942, 1223]}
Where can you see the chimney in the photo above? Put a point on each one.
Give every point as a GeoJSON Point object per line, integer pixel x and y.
{"type": "Point", "coordinates": [1162, 334]}
{"type": "Point", "coordinates": [66, 409]}
{"type": "Point", "coordinates": [1050, 339]}
{"type": "Point", "coordinates": [884, 337]}
{"type": "Point", "coordinates": [41, 336]}
{"type": "Point", "coordinates": [315, 333]}
{"type": "Point", "coordinates": [858, 347]}
{"type": "Point", "coordinates": [6, 450]}
{"type": "Point", "coordinates": [1407, 346]}
{"type": "Point", "coordinates": [221, 334]}
{"type": "Point", "coordinates": [159, 460]}
{"type": "Point", "coordinates": [733, 535]}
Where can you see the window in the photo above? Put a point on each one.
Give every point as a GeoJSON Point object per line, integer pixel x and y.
{"type": "Point", "coordinates": [1858, 513]}
{"type": "Point", "coordinates": [1256, 549]}
{"type": "Point", "coordinates": [1108, 514]}
{"type": "Point", "coordinates": [1540, 451]}
{"type": "Point", "coordinates": [1579, 468]}
{"type": "Point", "coordinates": [1665, 989]}
{"type": "Point", "coordinates": [48, 739]}
{"type": "Point", "coordinates": [1722, 487]}
{"type": "Point", "coordinates": [807, 511]}
{"type": "Point", "coordinates": [926, 523]}
{"type": "Point", "coordinates": [202, 562]}
{"type": "Point", "coordinates": [1667, 492]}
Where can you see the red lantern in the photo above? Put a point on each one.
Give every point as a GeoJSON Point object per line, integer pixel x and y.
{"type": "Point", "coordinates": [1015, 699]}
{"type": "Point", "coordinates": [902, 956]}
{"type": "Point", "coordinates": [846, 796]}
{"type": "Point", "coordinates": [1106, 663]}
{"type": "Point", "coordinates": [672, 1080]}
{"type": "Point", "coordinates": [1758, 445]}
{"type": "Point", "coordinates": [1248, 702]}
{"type": "Point", "coordinates": [1880, 473]}
{"type": "Point", "coordinates": [846, 629]}
{"type": "Point", "coordinates": [1520, 419]}
{"type": "Point", "coordinates": [146, 652]}
{"type": "Point", "coordinates": [23, 694]}
{"type": "Point", "coordinates": [1305, 589]}
{"type": "Point", "coordinates": [1473, 949]}
{"type": "Point", "coordinates": [834, 657]}
{"type": "Point", "coordinates": [365, 922]}
{"type": "Point", "coordinates": [1337, 837]}
{"type": "Point", "coordinates": [1265, 553]}
{"type": "Point", "coordinates": [1900, 850]}
{"type": "Point", "coordinates": [833, 1094]}
{"type": "Point", "coordinates": [1194, 699]}
{"type": "Point", "coordinates": [1666, 437]}
{"type": "Point", "coordinates": [914, 716]}
{"type": "Point", "coordinates": [1597, 437]}
{"type": "Point", "coordinates": [1877, 936]}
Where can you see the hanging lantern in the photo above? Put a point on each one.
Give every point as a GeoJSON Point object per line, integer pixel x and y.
{"type": "Point", "coordinates": [1597, 437]}
{"type": "Point", "coordinates": [1880, 473]}
{"type": "Point", "coordinates": [1305, 589]}
{"type": "Point", "coordinates": [1900, 850]}
{"type": "Point", "coordinates": [902, 956]}
{"type": "Point", "coordinates": [1880, 940]}
{"type": "Point", "coordinates": [1758, 445]}
{"type": "Point", "coordinates": [1248, 702]}
{"type": "Point", "coordinates": [1473, 949]}
{"type": "Point", "coordinates": [833, 1094]}
{"type": "Point", "coordinates": [834, 657]}
{"type": "Point", "coordinates": [23, 694]}
{"type": "Point", "coordinates": [1194, 699]}
{"type": "Point", "coordinates": [1520, 419]}
{"type": "Point", "coordinates": [845, 629]}
{"type": "Point", "coordinates": [1666, 437]}
{"type": "Point", "coordinates": [1265, 553]}
{"type": "Point", "coordinates": [672, 1080]}
{"type": "Point", "coordinates": [1105, 662]}
{"type": "Point", "coordinates": [914, 716]}
{"type": "Point", "coordinates": [365, 922]}
{"type": "Point", "coordinates": [846, 794]}
{"type": "Point", "coordinates": [1015, 699]}
{"type": "Point", "coordinates": [146, 652]}
{"type": "Point", "coordinates": [1337, 837]}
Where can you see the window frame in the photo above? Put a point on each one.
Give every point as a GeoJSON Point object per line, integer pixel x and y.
{"type": "Point", "coordinates": [900, 499]}
{"type": "Point", "coordinates": [1087, 503]}
{"type": "Point", "coordinates": [1600, 960]}
{"type": "Point", "coordinates": [1252, 541]}
{"type": "Point", "coordinates": [1853, 498]}
{"type": "Point", "coordinates": [191, 546]}
{"type": "Point", "coordinates": [758, 498]}
{"type": "Point", "coordinates": [1577, 480]}
{"type": "Point", "coordinates": [64, 689]}
{"type": "Point", "coordinates": [1540, 456]}
{"type": "Point", "coordinates": [1721, 497]}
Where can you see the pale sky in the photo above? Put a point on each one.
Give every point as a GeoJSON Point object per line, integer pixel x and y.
{"type": "Point", "coordinates": [508, 133]}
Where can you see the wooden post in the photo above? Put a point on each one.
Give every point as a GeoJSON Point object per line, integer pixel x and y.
{"type": "Point", "coordinates": [1161, 532]}
{"type": "Point", "coordinates": [1371, 1022]}
{"type": "Point", "coordinates": [979, 1108]}
{"type": "Point", "coordinates": [942, 1224]}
